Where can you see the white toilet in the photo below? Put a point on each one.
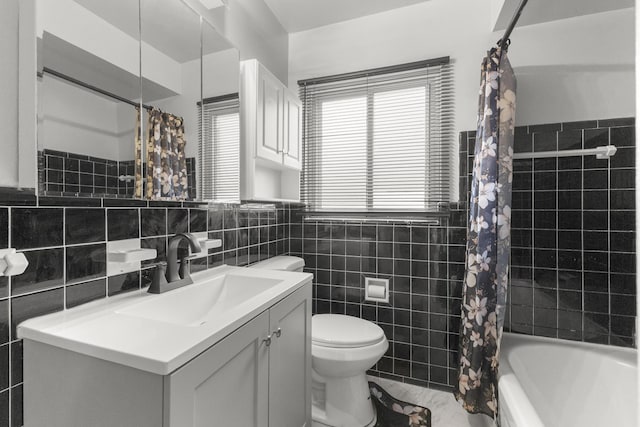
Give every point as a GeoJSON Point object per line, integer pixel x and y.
{"type": "Point", "coordinates": [342, 349]}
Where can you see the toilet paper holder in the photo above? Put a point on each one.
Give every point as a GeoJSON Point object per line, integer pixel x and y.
{"type": "Point", "coordinates": [376, 290]}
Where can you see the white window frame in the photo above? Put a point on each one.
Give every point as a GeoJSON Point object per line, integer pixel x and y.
{"type": "Point", "coordinates": [208, 152]}
{"type": "Point", "coordinates": [436, 86]}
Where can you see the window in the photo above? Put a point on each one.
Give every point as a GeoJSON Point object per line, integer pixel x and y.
{"type": "Point", "coordinates": [380, 140]}
{"type": "Point", "coordinates": [219, 149]}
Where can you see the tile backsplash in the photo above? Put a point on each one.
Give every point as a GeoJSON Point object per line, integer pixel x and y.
{"type": "Point", "coordinates": [69, 174]}
{"type": "Point", "coordinates": [66, 247]}
{"type": "Point", "coordinates": [62, 172]}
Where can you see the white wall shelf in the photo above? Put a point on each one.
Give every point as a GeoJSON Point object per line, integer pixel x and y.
{"type": "Point", "coordinates": [125, 256]}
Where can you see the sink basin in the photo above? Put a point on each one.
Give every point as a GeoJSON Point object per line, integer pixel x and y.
{"type": "Point", "coordinates": [194, 305]}
{"type": "Point", "coordinates": [160, 333]}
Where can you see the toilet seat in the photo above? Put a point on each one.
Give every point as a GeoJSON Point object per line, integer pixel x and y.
{"type": "Point", "coordinates": [346, 356]}
{"type": "Point", "coordinates": [340, 331]}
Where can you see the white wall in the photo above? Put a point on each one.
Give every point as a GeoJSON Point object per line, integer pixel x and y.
{"type": "Point", "coordinates": [89, 40]}
{"type": "Point", "coordinates": [75, 120]}
{"type": "Point", "coordinates": [126, 128]}
{"type": "Point", "coordinates": [220, 77]}
{"type": "Point", "coordinates": [184, 105]}
{"type": "Point", "coordinates": [9, 92]}
{"type": "Point", "coordinates": [69, 21]}
{"type": "Point", "coordinates": [254, 30]}
{"type": "Point", "coordinates": [426, 30]}
{"type": "Point", "coordinates": [573, 69]}
{"type": "Point", "coordinates": [221, 73]}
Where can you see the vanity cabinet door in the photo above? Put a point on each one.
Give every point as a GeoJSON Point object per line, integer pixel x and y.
{"type": "Point", "coordinates": [293, 124]}
{"type": "Point", "coordinates": [227, 385]}
{"type": "Point", "coordinates": [290, 361]}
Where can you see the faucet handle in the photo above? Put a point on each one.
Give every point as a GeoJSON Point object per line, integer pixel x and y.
{"type": "Point", "coordinates": [184, 271]}
{"type": "Point", "coordinates": [159, 278]}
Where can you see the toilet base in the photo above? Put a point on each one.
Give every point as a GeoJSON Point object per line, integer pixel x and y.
{"type": "Point", "coordinates": [342, 402]}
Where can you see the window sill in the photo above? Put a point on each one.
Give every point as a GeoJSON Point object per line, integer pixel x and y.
{"type": "Point", "coordinates": [433, 218]}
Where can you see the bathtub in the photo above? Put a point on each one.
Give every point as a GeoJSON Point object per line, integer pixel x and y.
{"type": "Point", "coordinates": [547, 382]}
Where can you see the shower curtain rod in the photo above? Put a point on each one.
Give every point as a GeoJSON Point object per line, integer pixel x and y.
{"type": "Point", "coordinates": [504, 41]}
{"type": "Point", "coordinates": [601, 152]}
{"type": "Point", "coordinates": [91, 87]}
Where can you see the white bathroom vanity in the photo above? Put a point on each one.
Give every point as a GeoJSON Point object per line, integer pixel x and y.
{"type": "Point", "coordinates": [231, 349]}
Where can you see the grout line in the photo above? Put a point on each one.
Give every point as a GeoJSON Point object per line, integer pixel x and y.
{"type": "Point", "coordinates": [582, 239]}
{"type": "Point", "coordinates": [10, 313]}
{"type": "Point", "coordinates": [609, 258]}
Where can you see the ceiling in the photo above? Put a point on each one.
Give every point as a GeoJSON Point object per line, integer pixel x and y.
{"type": "Point", "coordinates": [174, 28]}
{"type": "Point", "coordinates": [168, 25]}
{"type": "Point", "coordinates": [538, 11]}
{"type": "Point", "coordinates": [301, 15]}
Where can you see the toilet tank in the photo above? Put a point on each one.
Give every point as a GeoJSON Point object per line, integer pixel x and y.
{"type": "Point", "coordinates": [281, 262]}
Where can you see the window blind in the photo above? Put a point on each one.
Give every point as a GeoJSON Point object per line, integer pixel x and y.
{"type": "Point", "coordinates": [379, 140]}
{"type": "Point", "coordinates": [219, 149]}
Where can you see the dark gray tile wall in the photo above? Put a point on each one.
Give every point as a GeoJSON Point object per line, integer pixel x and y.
{"type": "Point", "coordinates": [573, 251]}
{"type": "Point", "coordinates": [425, 266]}
{"type": "Point", "coordinates": [69, 174]}
{"type": "Point", "coordinates": [573, 255]}
{"type": "Point", "coordinates": [62, 172]}
{"type": "Point", "coordinates": [66, 249]}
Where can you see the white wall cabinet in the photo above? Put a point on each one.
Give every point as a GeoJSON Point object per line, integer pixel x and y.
{"type": "Point", "coordinates": [292, 147]}
{"type": "Point", "coordinates": [269, 117]}
{"type": "Point", "coordinates": [259, 375]}
{"type": "Point", "coordinates": [270, 148]}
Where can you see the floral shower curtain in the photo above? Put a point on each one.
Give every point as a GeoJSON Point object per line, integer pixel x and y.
{"type": "Point", "coordinates": [166, 161]}
{"type": "Point", "coordinates": [138, 157]}
{"type": "Point", "coordinates": [488, 239]}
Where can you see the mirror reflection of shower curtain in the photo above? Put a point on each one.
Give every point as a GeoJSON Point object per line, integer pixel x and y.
{"type": "Point", "coordinates": [137, 192]}
{"type": "Point", "coordinates": [166, 166]}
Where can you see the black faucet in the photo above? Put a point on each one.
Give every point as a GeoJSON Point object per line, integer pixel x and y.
{"type": "Point", "coordinates": [174, 275]}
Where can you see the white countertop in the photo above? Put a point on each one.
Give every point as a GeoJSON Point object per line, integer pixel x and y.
{"type": "Point", "coordinates": [110, 329]}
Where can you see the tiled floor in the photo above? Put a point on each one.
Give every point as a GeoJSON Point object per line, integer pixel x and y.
{"type": "Point", "coordinates": [445, 411]}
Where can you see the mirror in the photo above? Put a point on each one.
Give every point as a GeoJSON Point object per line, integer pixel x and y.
{"type": "Point", "coordinates": [113, 77]}
{"type": "Point", "coordinates": [171, 79]}
{"type": "Point", "coordinates": [219, 150]}
{"type": "Point", "coordinates": [87, 93]}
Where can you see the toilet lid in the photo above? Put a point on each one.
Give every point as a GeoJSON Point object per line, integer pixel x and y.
{"type": "Point", "coordinates": [282, 262]}
{"type": "Point", "coordinates": [338, 330]}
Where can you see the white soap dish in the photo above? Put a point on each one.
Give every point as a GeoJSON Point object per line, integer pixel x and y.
{"type": "Point", "coordinates": [124, 256]}
{"type": "Point", "coordinates": [133, 255]}
{"type": "Point", "coordinates": [205, 243]}
{"type": "Point", "coordinates": [209, 243]}
{"type": "Point", "coordinates": [12, 263]}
